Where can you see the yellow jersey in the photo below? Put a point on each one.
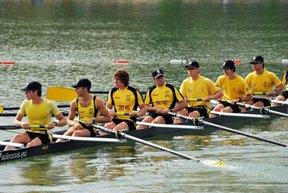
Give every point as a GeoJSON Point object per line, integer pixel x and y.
{"type": "Point", "coordinates": [39, 114]}
{"type": "Point", "coordinates": [86, 114]}
{"type": "Point", "coordinates": [285, 80]}
{"type": "Point", "coordinates": [198, 89]}
{"type": "Point", "coordinates": [164, 97]}
{"type": "Point", "coordinates": [125, 101]}
{"type": "Point", "coordinates": [264, 82]}
{"type": "Point", "coordinates": [233, 89]}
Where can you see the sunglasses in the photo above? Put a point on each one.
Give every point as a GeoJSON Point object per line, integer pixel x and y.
{"type": "Point", "coordinates": [191, 68]}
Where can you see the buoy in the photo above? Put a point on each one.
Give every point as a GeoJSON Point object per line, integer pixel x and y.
{"type": "Point", "coordinates": [120, 61]}
{"type": "Point", "coordinates": [177, 62]}
{"type": "Point", "coordinates": [237, 61]}
{"type": "Point", "coordinates": [7, 62]}
{"type": "Point", "coordinates": [285, 62]}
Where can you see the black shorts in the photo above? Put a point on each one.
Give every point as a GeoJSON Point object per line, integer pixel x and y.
{"type": "Point", "coordinates": [131, 124]}
{"type": "Point", "coordinates": [235, 108]}
{"type": "Point", "coordinates": [203, 111]}
{"type": "Point", "coordinates": [91, 129]}
{"type": "Point", "coordinates": [45, 137]}
{"type": "Point", "coordinates": [285, 94]}
{"type": "Point", "coordinates": [167, 118]}
{"type": "Point", "coordinates": [266, 102]}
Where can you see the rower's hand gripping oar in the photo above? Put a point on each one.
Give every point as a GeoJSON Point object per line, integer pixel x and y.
{"type": "Point", "coordinates": [227, 129]}
{"type": "Point", "coordinates": [218, 163]}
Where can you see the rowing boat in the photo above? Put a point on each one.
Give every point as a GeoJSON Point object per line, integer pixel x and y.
{"type": "Point", "coordinates": [145, 133]}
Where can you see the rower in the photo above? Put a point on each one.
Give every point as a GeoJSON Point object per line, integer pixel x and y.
{"type": "Point", "coordinates": [262, 82]}
{"type": "Point", "coordinates": [39, 112]}
{"type": "Point", "coordinates": [283, 96]}
{"type": "Point", "coordinates": [90, 109]}
{"type": "Point", "coordinates": [234, 88]}
{"type": "Point", "coordinates": [161, 98]}
{"type": "Point", "coordinates": [198, 91]}
{"type": "Point", "coordinates": [127, 103]}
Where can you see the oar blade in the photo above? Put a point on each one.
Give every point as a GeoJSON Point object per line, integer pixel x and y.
{"type": "Point", "coordinates": [1, 108]}
{"type": "Point", "coordinates": [213, 163]}
{"type": "Point", "coordinates": [61, 93]}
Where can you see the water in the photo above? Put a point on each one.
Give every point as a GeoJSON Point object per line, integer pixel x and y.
{"type": "Point", "coordinates": [58, 42]}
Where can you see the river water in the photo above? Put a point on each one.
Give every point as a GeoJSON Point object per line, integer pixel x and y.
{"type": "Point", "coordinates": [58, 42]}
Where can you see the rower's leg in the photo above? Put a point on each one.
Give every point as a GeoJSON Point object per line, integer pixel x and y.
{"type": "Point", "coordinates": [259, 104]}
{"type": "Point", "coordinates": [82, 133]}
{"type": "Point", "coordinates": [70, 132]}
{"type": "Point", "coordinates": [109, 125]}
{"type": "Point", "coordinates": [227, 110]}
{"type": "Point", "coordinates": [218, 108]}
{"type": "Point", "coordinates": [19, 138]}
{"type": "Point", "coordinates": [177, 120]}
{"type": "Point", "coordinates": [35, 142]}
{"type": "Point", "coordinates": [278, 98]}
{"type": "Point", "coordinates": [147, 119]}
{"type": "Point", "coordinates": [159, 120]}
{"type": "Point", "coordinates": [123, 126]}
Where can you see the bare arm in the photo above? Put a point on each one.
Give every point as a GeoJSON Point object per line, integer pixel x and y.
{"type": "Point", "coordinates": [61, 120]}
{"type": "Point", "coordinates": [18, 121]}
{"type": "Point", "coordinates": [72, 113]}
{"type": "Point", "coordinates": [181, 105]}
{"type": "Point", "coordinates": [104, 113]}
{"type": "Point", "coordinates": [141, 111]}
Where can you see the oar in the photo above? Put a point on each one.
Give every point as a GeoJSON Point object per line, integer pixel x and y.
{"type": "Point", "coordinates": [195, 99]}
{"type": "Point", "coordinates": [92, 139]}
{"type": "Point", "coordinates": [262, 109]}
{"type": "Point", "coordinates": [172, 126]}
{"type": "Point", "coordinates": [2, 108]}
{"type": "Point", "coordinates": [4, 143]}
{"type": "Point", "coordinates": [240, 114]}
{"type": "Point", "coordinates": [279, 102]}
{"type": "Point", "coordinates": [65, 113]}
{"type": "Point", "coordinates": [218, 163]}
{"type": "Point", "coordinates": [9, 127]}
{"type": "Point", "coordinates": [227, 129]}
{"type": "Point", "coordinates": [259, 93]}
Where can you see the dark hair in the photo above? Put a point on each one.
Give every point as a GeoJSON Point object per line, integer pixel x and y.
{"type": "Point", "coordinates": [229, 64]}
{"type": "Point", "coordinates": [123, 75]}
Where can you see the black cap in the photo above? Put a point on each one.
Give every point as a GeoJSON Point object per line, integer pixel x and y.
{"type": "Point", "coordinates": [228, 64]}
{"type": "Point", "coordinates": [32, 86]}
{"type": "Point", "coordinates": [157, 73]}
{"type": "Point", "coordinates": [192, 64]}
{"type": "Point", "coordinates": [257, 59]}
{"type": "Point", "coordinates": [83, 83]}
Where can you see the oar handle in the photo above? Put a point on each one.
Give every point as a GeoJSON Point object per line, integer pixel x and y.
{"type": "Point", "coordinates": [195, 100]}
{"type": "Point", "coordinates": [259, 93]}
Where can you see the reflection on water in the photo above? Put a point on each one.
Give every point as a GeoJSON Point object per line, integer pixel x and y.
{"type": "Point", "coordinates": [40, 172]}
